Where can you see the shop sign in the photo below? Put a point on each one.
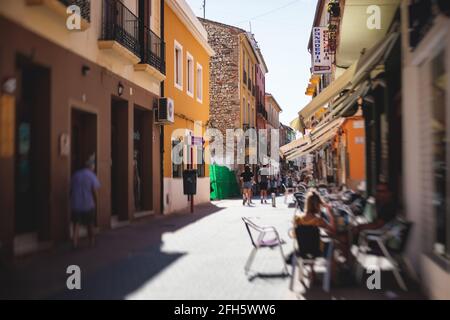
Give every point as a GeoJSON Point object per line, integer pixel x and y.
{"type": "Point", "coordinates": [321, 55]}
{"type": "Point", "coordinates": [197, 141]}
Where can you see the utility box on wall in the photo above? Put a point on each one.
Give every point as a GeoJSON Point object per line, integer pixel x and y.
{"type": "Point", "coordinates": [190, 182]}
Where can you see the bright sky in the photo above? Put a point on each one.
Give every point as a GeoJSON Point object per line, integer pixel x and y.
{"type": "Point", "coordinates": [282, 29]}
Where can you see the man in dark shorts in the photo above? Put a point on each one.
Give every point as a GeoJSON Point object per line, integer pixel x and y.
{"type": "Point", "coordinates": [83, 190]}
{"type": "Point", "coordinates": [247, 183]}
{"type": "Point", "coordinates": [263, 182]}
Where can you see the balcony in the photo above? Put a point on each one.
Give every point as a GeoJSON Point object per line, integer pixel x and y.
{"type": "Point", "coordinates": [152, 55]}
{"type": "Point", "coordinates": [120, 31]}
{"type": "Point", "coordinates": [262, 111]}
{"type": "Point", "coordinates": [60, 7]}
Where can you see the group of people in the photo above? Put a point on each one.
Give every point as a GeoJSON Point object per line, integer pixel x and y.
{"type": "Point", "coordinates": [318, 213]}
{"type": "Point", "coordinates": [262, 181]}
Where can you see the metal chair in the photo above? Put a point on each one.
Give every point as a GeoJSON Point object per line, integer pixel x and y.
{"type": "Point", "coordinates": [299, 201]}
{"type": "Point", "coordinates": [259, 241]}
{"type": "Point", "coordinates": [307, 250]}
{"type": "Point", "coordinates": [391, 240]}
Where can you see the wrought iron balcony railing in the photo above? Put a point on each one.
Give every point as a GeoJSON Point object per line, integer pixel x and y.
{"type": "Point", "coordinates": [154, 50]}
{"type": "Point", "coordinates": [121, 25]}
{"type": "Point", "coordinates": [84, 5]}
{"type": "Point", "coordinates": [262, 111]}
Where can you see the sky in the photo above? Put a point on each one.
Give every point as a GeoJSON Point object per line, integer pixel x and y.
{"type": "Point", "coordinates": [282, 29]}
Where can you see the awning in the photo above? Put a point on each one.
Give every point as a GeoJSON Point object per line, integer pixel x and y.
{"type": "Point", "coordinates": [351, 78]}
{"type": "Point", "coordinates": [294, 145]}
{"type": "Point", "coordinates": [372, 57]}
{"type": "Point", "coordinates": [317, 138]}
{"type": "Point", "coordinates": [346, 102]}
{"type": "Point", "coordinates": [329, 93]}
{"type": "Point", "coordinates": [313, 146]}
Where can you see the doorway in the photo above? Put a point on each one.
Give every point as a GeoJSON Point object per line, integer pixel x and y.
{"type": "Point", "coordinates": [119, 160]}
{"type": "Point", "coordinates": [142, 160]}
{"type": "Point", "coordinates": [84, 139]}
{"type": "Point", "coordinates": [32, 156]}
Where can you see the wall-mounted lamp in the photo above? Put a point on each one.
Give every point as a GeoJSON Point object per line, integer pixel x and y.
{"type": "Point", "coordinates": [120, 89]}
{"type": "Point", "coordinates": [85, 70]}
{"type": "Point", "coordinates": [9, 85]}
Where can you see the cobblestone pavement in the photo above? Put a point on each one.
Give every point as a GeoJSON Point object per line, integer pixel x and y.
{"type": "Point", "coordinates": [185, 256]}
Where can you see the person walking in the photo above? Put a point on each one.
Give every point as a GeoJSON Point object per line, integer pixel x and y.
{"type": "Point", "coordinates": [263, 183]}
{"type": "Point", "coordinates": [247, 183]}
{"type": "Point", "coordinates": [83, 197]}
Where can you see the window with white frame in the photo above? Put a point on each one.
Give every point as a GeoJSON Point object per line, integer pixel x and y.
{"type": "Point", "coordinates": [178, 65]}
{"type": "Point", "coordinates": [249, 114]}
{"type": "Point", "coordinates": [190, 74]}
{"type": "Point", "coordinates": [199, 83]}
{"type": "Point", "coordinates": [244, 113]}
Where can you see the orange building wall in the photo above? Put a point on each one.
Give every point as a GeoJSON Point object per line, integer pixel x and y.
{"type": "Point", "coordinates": [356, 151]}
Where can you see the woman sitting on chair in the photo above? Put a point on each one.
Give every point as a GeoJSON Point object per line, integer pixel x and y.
{"type": "Point", "coordinates": [311, 217]}
{"type": "Point", "coordinates": [312, 214]}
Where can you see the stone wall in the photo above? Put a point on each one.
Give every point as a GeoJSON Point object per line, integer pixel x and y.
{"type": "Point", "coordinates": [224, 75]}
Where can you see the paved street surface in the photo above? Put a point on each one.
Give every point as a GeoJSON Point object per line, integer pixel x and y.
{"type": "Point", "coordinates": [185, 256]}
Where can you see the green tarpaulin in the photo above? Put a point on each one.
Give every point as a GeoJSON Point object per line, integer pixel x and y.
{"type": "Point", "coordinates": [223, 183]}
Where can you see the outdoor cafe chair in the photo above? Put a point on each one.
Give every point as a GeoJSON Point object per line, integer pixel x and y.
{"type": "Point", "coordinates": [390, 243]}
{"type": "Point", "coordinates": [258, 237]}
{"type": "Point", "coordinates": [306, 250]}
{"type": "Point", "coordinates": [299, 201]}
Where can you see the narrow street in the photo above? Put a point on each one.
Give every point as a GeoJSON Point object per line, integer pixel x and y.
{"type": "Point", "coordinates": [185, 256]}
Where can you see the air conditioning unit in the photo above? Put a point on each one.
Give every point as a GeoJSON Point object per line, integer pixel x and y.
{"type": "Point", "coordinates": [166, 111]}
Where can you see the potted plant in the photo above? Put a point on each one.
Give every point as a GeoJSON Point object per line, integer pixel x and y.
{"type": "Point", "coordinates": [334, 9]}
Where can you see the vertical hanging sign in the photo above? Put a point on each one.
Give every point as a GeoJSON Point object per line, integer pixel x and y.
{"type": "Point", "coordinates": [321, 54]}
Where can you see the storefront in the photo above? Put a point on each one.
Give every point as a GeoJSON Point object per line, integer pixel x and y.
{"type": "Point", "coordinates": [426, 150]}
{"type": "Point", "coordinates": [63, 110]}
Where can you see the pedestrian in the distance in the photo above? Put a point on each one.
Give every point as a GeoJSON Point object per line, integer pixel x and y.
{"type": "Point", "coordinates": [247, 178]}
{"type": "Point", "coordinates": [83, 198]}
{"type": "Point", "coordinates": [263, 183]}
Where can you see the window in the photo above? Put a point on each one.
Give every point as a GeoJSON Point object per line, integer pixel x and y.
{"type": "Point", "coordinates": [199, 83]}
{"type": "Point", "coordinates": [249, 119]}
{"type": "Point", "coordinates": [244, 68]}
{"type": "Point", "coordinates": [177, 169]}
{"type": "Point", "coordinates": [244, 113]}
{"type": "Point", "coordinates": [440, 135]}
{"type": "Point", "coordinates": [190, 74]}
{"type": "Point", "coordinates": [201, 161]}
{"type": "Point", "coordinates": [178, 65]}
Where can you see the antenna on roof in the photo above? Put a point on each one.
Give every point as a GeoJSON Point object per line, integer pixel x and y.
{"type": "Point", "coordinates": [250, 23]}
{"type": "Point", "coordinates": [204, 9]}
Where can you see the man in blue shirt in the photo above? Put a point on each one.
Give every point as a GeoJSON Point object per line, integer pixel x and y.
{"type": "Point", "coordinates": [83, 197]}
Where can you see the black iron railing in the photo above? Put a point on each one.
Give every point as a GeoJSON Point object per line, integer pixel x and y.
{"type": "Point", "coordinates": [261, 110]}
{"type": "Point", "coordinates": [121, 25]}
{"type": "Point", "coordinates": [84, 5]}
{"type": "Point", "coordinates": [154, 50]}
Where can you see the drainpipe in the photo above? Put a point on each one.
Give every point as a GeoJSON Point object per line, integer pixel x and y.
{"type": "Point", "coordinates": [161, 139]}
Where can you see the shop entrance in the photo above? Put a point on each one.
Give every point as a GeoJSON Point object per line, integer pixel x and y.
{"type": "Point", "coordinates": [32, 156]}
{"type": "Point", "coordinates": [119, 160]}
{"type": "Point", "coordinates": [142, 160]}
{"type": "Point", "coordinates": [84, 138]}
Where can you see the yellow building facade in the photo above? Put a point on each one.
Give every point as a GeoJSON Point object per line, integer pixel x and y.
{"type": "Point", "coordinates": [247, 88]}
{"type": "Point", "coordinates": [187, 70]}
